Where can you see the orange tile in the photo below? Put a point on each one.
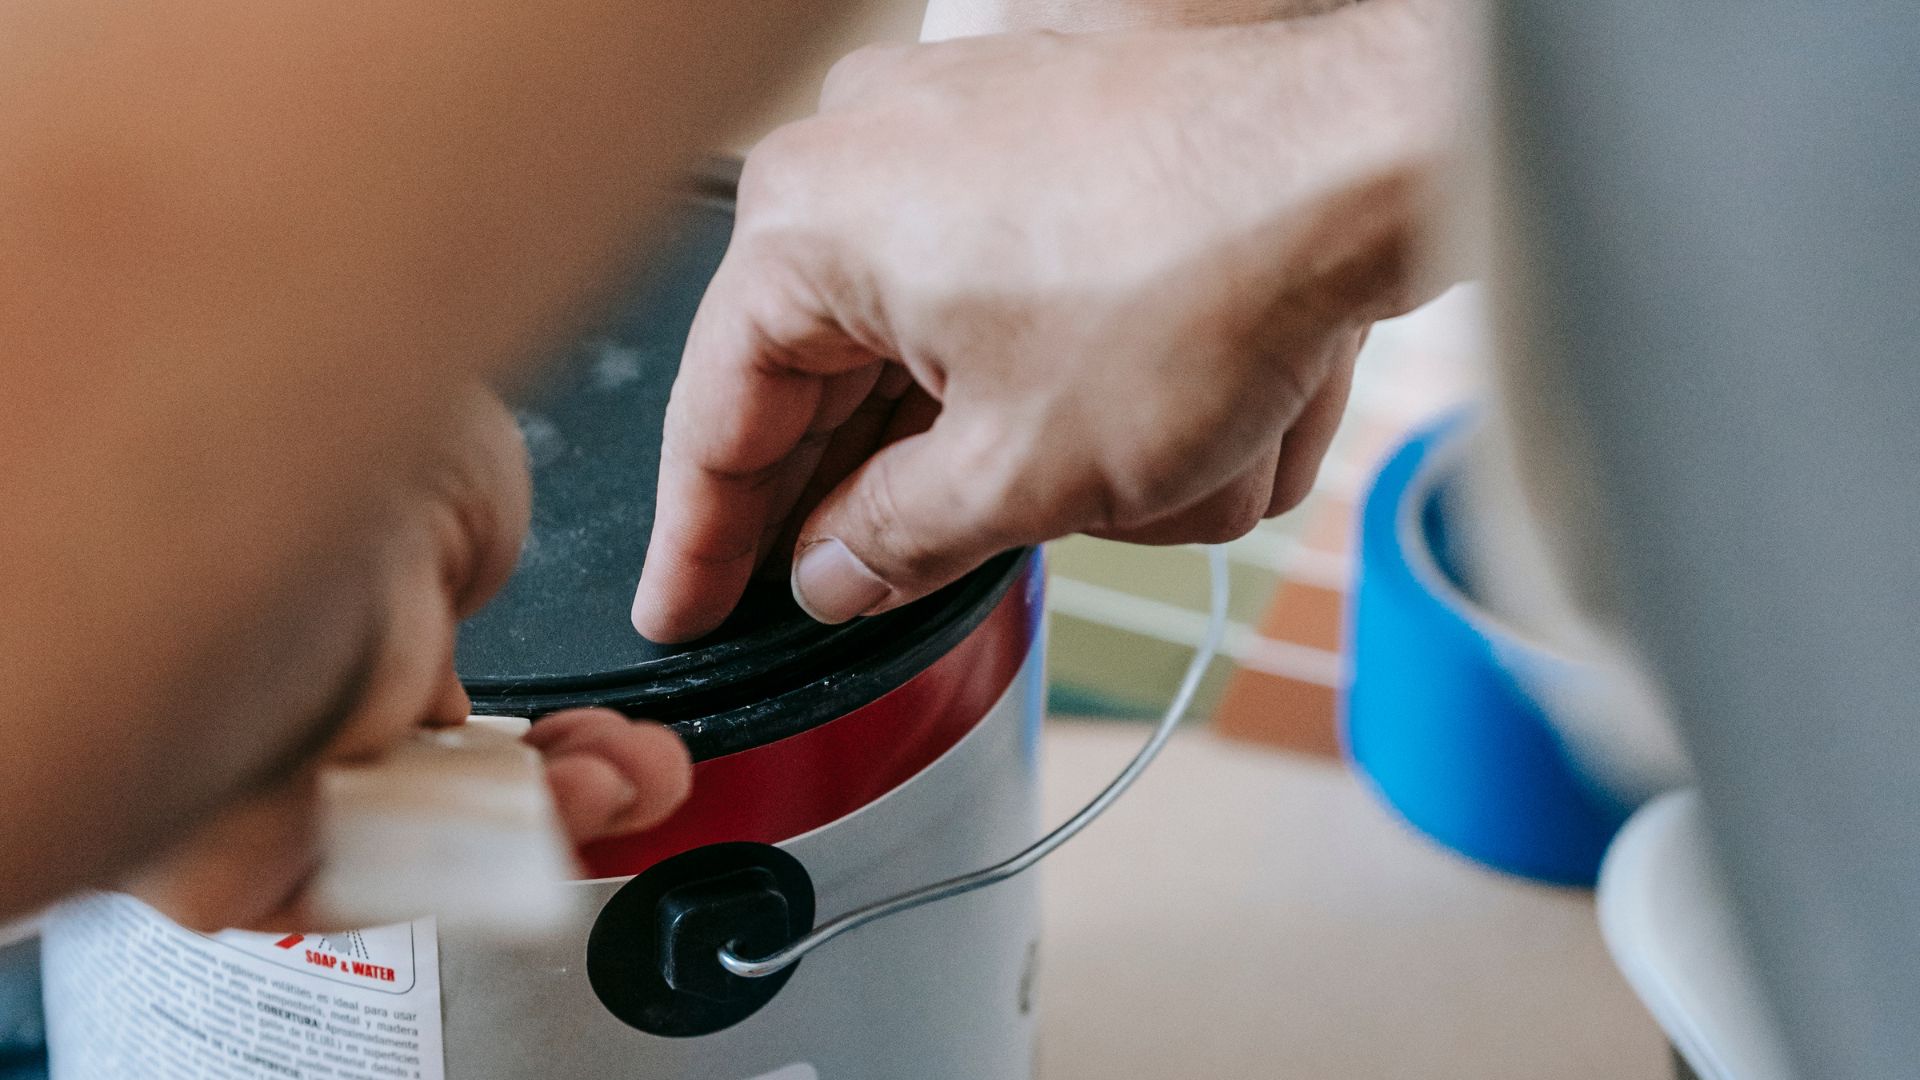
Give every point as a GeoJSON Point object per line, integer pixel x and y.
{"type": "Point", "coordinates": [1275, 711]}
{"type": "Point", "coordinates": [1304, 615]}
{"type": "Point", "coordinates": [1272, 711]}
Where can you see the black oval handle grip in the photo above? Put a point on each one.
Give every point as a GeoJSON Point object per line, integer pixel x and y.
{"type": "Point", "coordinates": [653, 956]}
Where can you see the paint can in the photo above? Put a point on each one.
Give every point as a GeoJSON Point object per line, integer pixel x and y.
{"type": "Point", "coordinates": [835, 766]}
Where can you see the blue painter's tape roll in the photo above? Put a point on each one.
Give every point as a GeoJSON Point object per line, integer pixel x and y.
{"type": "Point", "coordinates": [1433, 718]}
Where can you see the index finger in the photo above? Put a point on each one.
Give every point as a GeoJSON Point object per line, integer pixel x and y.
{"type": "Point", "coordinates": [751, 381]}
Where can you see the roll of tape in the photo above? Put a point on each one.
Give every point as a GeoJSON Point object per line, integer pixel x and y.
{"type": "Point", "coordinates": [1434, 716]}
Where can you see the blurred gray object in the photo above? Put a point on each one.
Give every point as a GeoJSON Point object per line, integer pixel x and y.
{"type": "Point", "coordinates": [1718, 215]}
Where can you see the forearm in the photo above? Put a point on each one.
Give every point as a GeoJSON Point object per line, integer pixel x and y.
{"type": "Point", "coordinates": [1330, 136]}
{"type": "Point", "coordinates": [1404, 64]}
{"type": "Point", "coordinates": [1398, 68]}
{"type": "Point", "coordinates": [959, 18]}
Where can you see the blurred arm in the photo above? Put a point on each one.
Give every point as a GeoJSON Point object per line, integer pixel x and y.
{"type": "Point", "coordinates": [247, 252]}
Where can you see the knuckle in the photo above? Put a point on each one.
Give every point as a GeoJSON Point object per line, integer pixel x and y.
{"type": "Point", "coordinates": [1140, 494]}
{"type": "Point", "coordinates": [897, 541]}
{"type": "Point", "coordinates": [1218, 521]}
{"type": "Point", "coordinates": [853, 73]}
{"type": "Point", "coordinates": [999, 484]}
{"type": "Point", "coordinates": [1238, 520]}
{"type": "Point", "coordinates": [991, 493]}
{"type": "Point", "coordinates": [1290, 490]}
{"type": "Point", "coordinates": [775, 170]}
{"type": "Point", "coordinates": [971, 493]}
{"type": "Point", "coordinates": [758, 185]}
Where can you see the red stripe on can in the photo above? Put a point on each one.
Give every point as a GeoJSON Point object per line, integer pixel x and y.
{"type": "Point", "coordinates": [773, 793]}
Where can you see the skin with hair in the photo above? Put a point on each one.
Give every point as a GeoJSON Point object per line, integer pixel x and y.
{"type": "Point", "coordinates": [958, 18]}
{"type": "Point", "coordinates": [254, 254]}
{"type": "Point", "coordinates": [1004, 289]}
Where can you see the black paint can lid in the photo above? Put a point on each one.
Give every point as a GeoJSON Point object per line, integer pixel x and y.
{"type": "Point", "coordinates": [558, 635]}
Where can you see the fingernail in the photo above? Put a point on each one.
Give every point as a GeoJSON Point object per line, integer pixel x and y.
{"type": "Point", "coordinates": [832, 585]}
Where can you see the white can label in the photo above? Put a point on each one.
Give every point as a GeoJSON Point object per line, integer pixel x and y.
{"type": "Point", "coordinates": [131, 995]}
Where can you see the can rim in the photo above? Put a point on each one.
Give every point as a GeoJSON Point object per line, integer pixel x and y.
{"type": "Point", "coordinates": [876, 655]}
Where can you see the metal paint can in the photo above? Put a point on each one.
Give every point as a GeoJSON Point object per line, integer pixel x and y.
{"type": "Point", "coordinates": [834, 766]}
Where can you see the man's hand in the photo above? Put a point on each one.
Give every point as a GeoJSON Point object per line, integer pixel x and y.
{"type": "Point", "coordinates": [1005, 289]}
{"type": "Point", "coordinates": [455, 533]}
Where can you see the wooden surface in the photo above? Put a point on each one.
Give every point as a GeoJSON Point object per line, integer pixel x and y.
{"type": "Point", "coordinates": [1248, 914]}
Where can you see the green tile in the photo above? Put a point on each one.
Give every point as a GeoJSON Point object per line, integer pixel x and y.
{"type": "Point", "coordinates": [1099, 670]}
{"type": "Point", "coordinates": [1170, 575]}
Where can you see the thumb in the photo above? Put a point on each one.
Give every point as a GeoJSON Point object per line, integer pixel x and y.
{"type": "Point", "coordinates": [917, 515]}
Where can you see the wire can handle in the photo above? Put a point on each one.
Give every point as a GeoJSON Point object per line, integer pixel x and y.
{"type": "Point", "coordinates": [1046, 845]}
